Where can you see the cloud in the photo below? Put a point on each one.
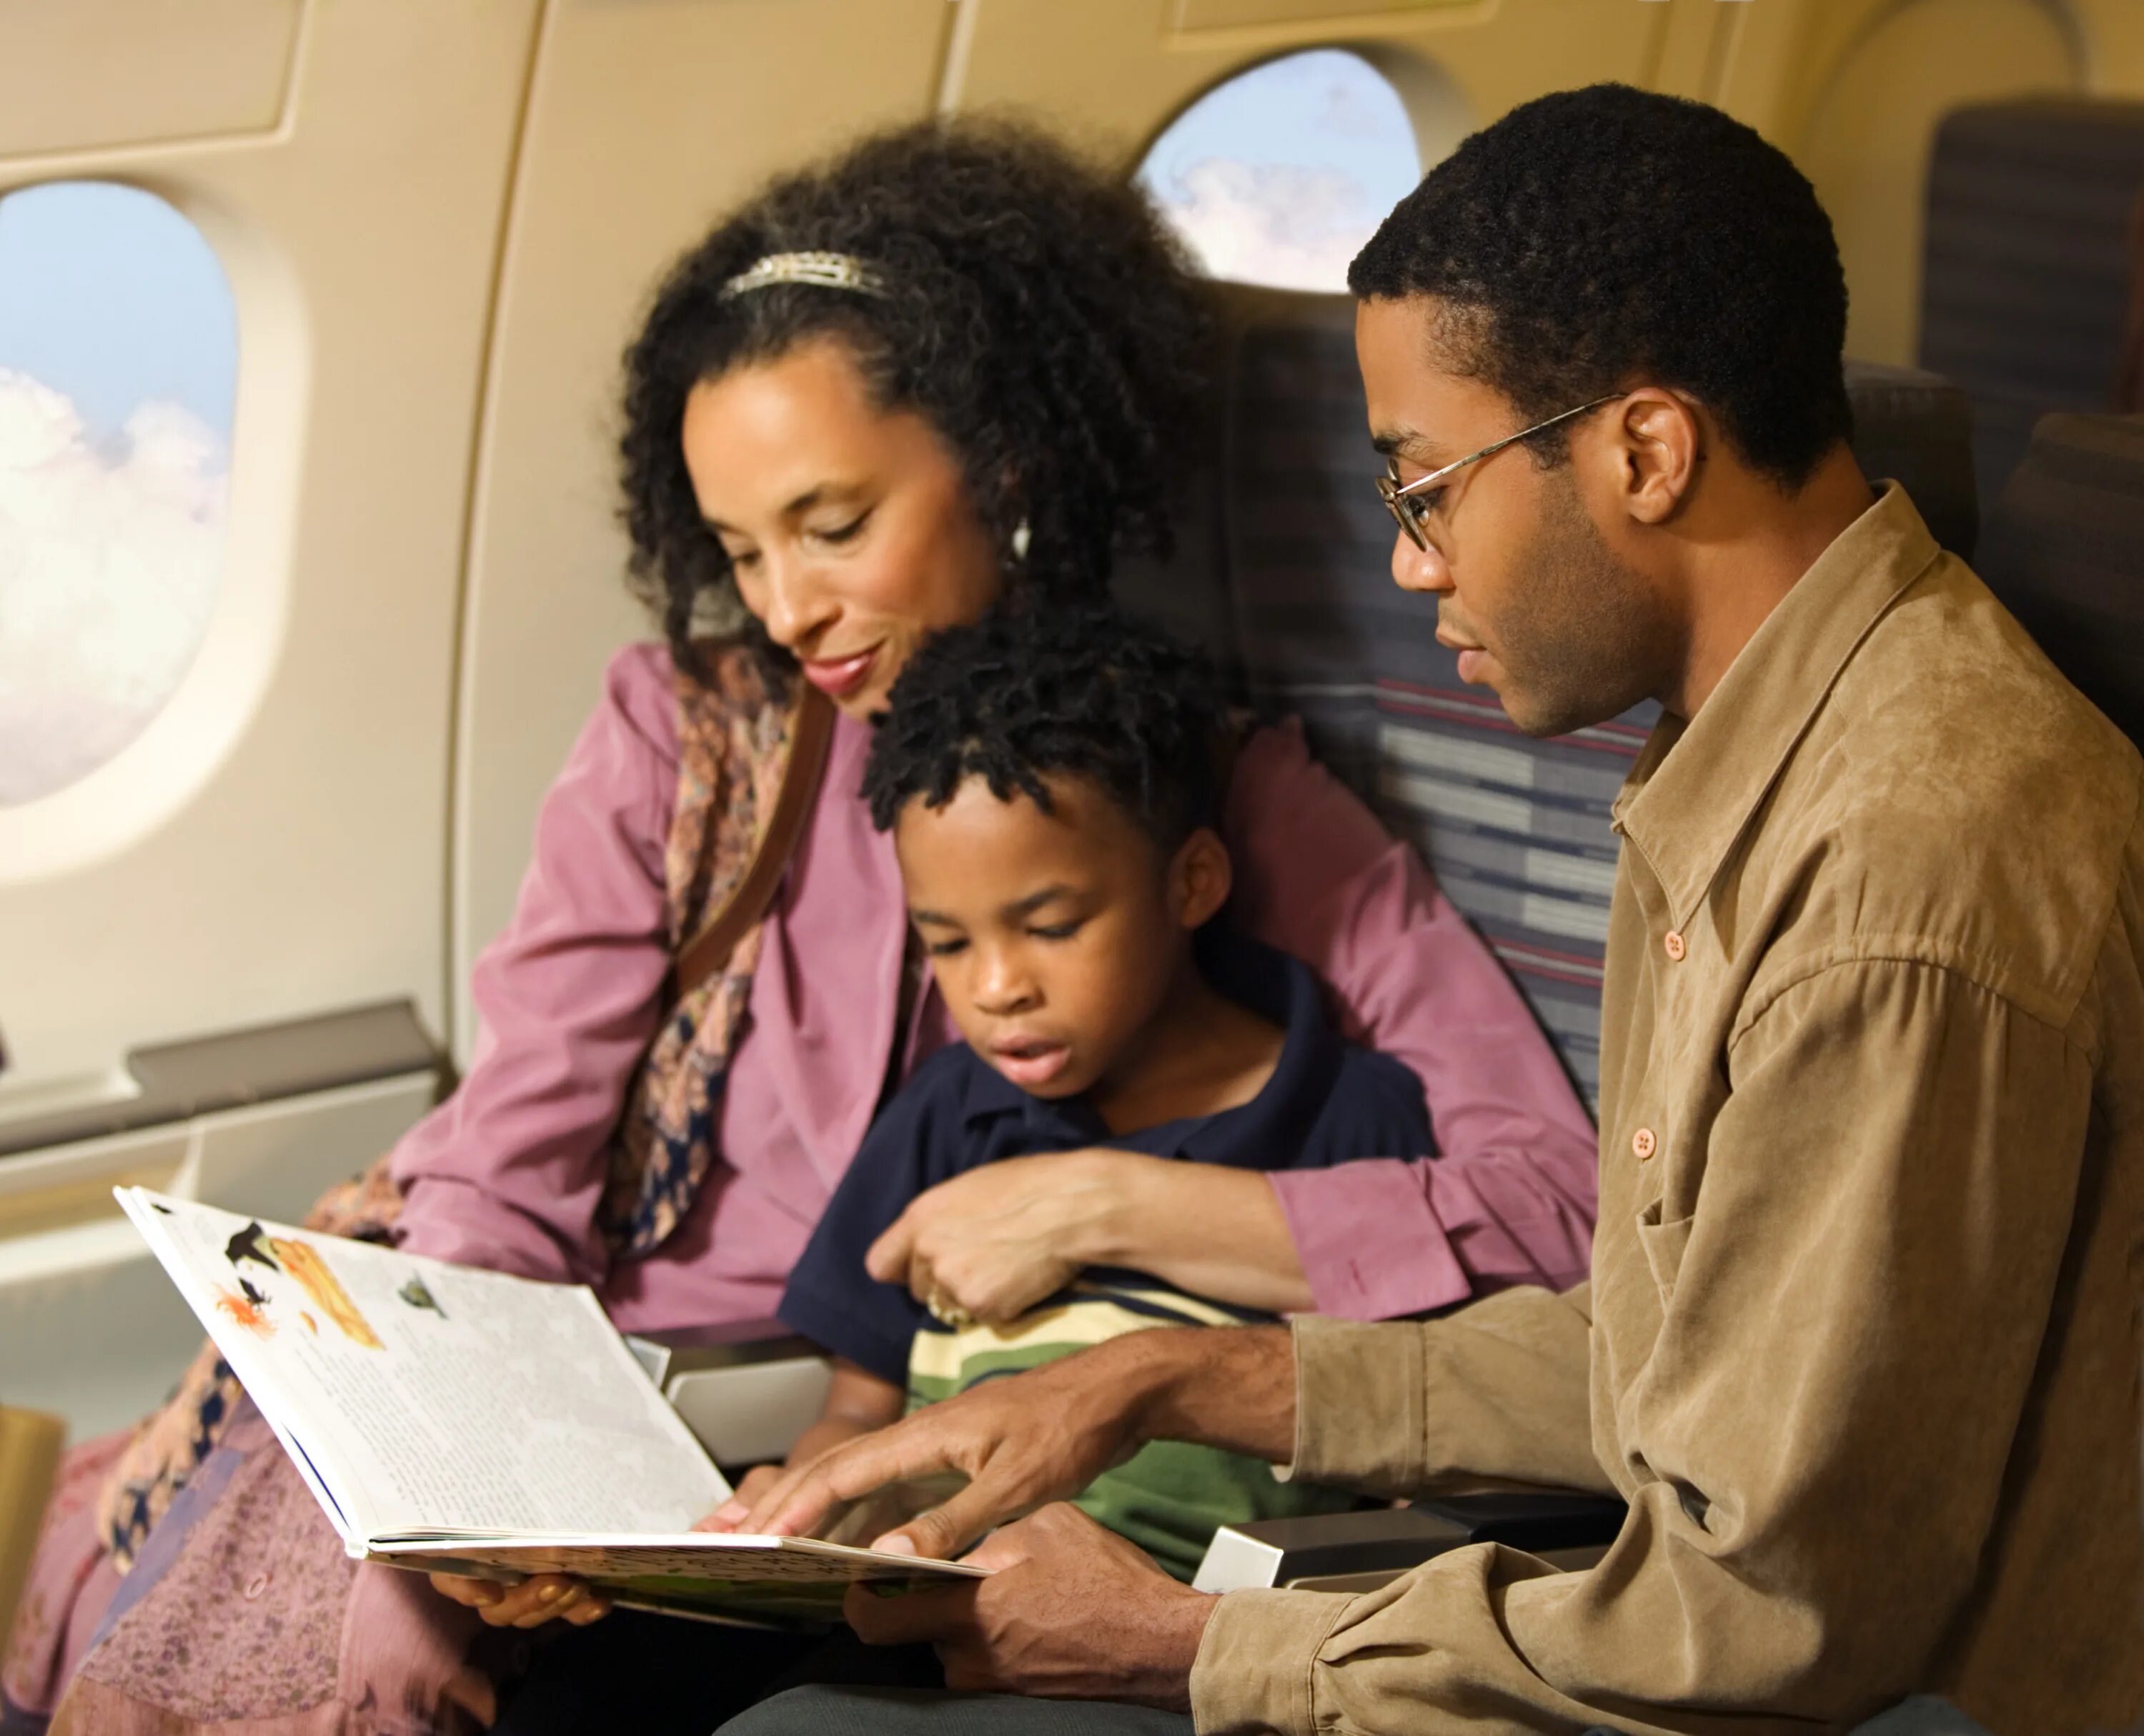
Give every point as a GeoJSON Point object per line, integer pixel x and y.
{"type": "Point", "coordinates": [109, 559]}
{"type": "Point", "coordinates": [1351, 107]}
{"type": "Point", "coordinates": [1292, 227]}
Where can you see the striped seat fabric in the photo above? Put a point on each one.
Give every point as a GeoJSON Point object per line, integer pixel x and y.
{"type": "Point", "coordinates": [1286, 575]}
{"type": "Point", "coordinates": [1514, 829]}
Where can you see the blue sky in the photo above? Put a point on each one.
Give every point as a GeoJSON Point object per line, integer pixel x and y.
{"type": "Point", "coordinates": [1295, 162]}
{"type": "Point", "coordinates": [109, 296]}
{"type": "Point", "coordinates": [1325, 108]}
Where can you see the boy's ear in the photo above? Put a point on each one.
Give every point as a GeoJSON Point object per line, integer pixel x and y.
{"type": "Point", "coordinates": [1200, 876]}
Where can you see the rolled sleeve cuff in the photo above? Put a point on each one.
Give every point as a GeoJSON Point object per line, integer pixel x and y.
{"type": "Point", "coordinates": [1361, 1404]}
{"type": "Point", "coordinates": [1255, 1663]}
{"type": "Point", "coordinates": [1370, 1245]}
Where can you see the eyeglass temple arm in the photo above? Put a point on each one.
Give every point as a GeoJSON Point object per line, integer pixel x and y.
{"type": "Point", "coordinates": [1403, 489]}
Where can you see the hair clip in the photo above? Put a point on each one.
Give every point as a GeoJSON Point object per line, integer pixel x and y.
{"type": "Point", "coordinates": [828, 270]}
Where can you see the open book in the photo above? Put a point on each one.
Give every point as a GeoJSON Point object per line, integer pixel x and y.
{"type": "Point", "coordinates": [450, 1419]}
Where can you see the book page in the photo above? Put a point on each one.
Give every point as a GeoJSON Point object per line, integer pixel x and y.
{"type": "Point", "coordinates": [428, 1395]}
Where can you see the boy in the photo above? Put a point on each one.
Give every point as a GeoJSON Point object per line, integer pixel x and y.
{"type": "Point", "coordinates": [1052, 778]}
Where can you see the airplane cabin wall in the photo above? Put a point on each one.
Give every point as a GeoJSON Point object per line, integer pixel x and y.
{"type": "Point", "coordinates": [303, 870]}
{"type": "Point", "coordinates": [645, 123]}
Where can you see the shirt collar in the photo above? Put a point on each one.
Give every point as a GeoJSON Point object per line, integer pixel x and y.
{"type": "Point", "coordinates": [1697, 785]}
{"type": "Point", "coordinates": [1260, 1133]}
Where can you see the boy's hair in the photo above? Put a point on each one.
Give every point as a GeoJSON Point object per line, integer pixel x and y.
{"type": "Point", "coordinates": [1046, 686]}
{"type": "Point", "coordinates": [1601, 239]}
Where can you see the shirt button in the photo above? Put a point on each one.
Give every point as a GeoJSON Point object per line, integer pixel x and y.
{"type": "Point", "coordinates": [254, 1586]}
{"type": "Point", "coordinates": [1675, 948]}
{"type": "Point", "coordinates": [1644, 1144]}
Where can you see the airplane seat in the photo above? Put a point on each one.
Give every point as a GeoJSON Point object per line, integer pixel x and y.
{"type": "Point", "coordinates": [2065, 551]}
{"type": "Point", "coordinates": [1284, 573]}
{"type": "Point", "coordinates": [1917, 427]}
{"type": "Point", "coordinates": [2026, 262]}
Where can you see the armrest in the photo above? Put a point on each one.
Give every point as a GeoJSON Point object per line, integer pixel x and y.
{"type": "Point", "coordinates": [729, 1344]}
{"type": "Point", "coordinates": [30, 1444]}
{"type": "Point", "coordinates": [747, 1388]}
{"type": "Point", "coordinates": [1361, 1550]}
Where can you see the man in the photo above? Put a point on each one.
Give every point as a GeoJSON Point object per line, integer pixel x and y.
{"type": "Point", "coordinates": [1861, 1345]}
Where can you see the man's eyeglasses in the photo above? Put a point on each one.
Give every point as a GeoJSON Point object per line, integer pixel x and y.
{"type": "Point", "coordinates": [1410, 507]}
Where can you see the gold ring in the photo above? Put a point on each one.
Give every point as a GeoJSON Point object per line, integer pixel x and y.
{"type": "Point", "coordinates": [948, 1312]}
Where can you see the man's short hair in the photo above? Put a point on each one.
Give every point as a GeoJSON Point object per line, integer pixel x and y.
{"type": "Point", "coordinates": [1607, 238]}
{"type": "Point", "coordinates": [1040, 687]}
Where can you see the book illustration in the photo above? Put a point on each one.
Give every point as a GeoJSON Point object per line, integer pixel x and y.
{"type": "Point", "coordinates": [311, 1325]}
{"type": "Point", "coordinates": [247, 1307]}
{"type": "Point", "coordinates": [248, 1244]}
{"type": "Point", "coordinates": [303, 1261]}
{"type": "Point", "coordinates": [417, 1297]}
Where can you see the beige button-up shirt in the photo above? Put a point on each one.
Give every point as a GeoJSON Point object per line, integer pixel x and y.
{"type": "Point", "coordinates": [1861, 1346]}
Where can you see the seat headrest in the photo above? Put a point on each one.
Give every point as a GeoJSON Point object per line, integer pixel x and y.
{"type": "Point", "coordinates": [2026, 261]}
{"type": "Point", "coordinates": [1917, 427]}
{"type": "Point", "coordinates": [2064, 549]}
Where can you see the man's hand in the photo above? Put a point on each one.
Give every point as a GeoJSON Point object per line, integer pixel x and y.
{"type": "Point", "coordinates": [997, 1240]}
{"type": "Point", "coordinates": [1045, 1435]}
{"type": "Point", "coordinates": [1070, 1611]}
{"type": "Point", "coordinates": [547, 1597]}
{"type": "Point", "coordinates": [1021, 1441]}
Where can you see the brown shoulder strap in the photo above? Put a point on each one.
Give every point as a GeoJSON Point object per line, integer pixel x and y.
{"type": "Point", "coordinates": [810, 729]}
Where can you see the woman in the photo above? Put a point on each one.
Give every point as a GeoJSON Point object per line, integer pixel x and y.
{"type": "Point", "coordinates": [948, 361]}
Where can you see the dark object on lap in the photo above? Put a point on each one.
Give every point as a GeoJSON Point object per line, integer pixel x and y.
{"type": "Point", "coordinates": [656, 1675]}
{"type": "Point", "coordinates": [829, 1711]}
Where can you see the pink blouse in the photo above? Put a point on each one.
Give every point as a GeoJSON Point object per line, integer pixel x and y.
{"type": "Point", "coordinates": [507, 1172]}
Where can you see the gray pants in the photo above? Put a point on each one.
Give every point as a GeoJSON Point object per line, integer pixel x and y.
{"type": "Point", "coordinates": [906, 1712]}
{"type": "Point", "coordinates": [897, 1712]}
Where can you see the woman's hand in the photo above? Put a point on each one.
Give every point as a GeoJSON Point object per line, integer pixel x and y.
{"type": "Point", "coordinates": [751, 1488]}
{"type": "Point", "coordinates": [996, 1241]}
{"type": "Point", "coordinates": [547, 1597]}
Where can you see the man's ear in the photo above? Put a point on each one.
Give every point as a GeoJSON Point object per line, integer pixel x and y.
{"type": "Point", "coordinates": [1660, 440]}
{"type": "Point", "coordinates": [1200, 876]}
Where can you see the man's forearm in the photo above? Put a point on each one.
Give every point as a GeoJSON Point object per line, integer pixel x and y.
{"type": "Point", "coordinates": [1230, 1387]}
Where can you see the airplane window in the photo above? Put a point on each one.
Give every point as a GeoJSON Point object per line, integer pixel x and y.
{"type": "Point", "coordinates": [1279, 176]}
{"type": "Point", "coordinates": [118, 365]}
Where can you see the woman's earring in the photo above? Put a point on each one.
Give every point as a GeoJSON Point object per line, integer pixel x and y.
{"type": "Point", "coordinates": [1022, 534]}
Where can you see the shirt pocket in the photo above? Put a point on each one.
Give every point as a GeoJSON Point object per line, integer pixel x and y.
{"type": "Point", "coordinates": [1663, 1244]}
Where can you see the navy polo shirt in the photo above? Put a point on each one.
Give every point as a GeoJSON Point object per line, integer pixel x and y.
{"type": "Point", "coordinates": [1327, 1102]}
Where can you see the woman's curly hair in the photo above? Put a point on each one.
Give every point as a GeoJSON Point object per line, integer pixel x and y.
{"type": "Point", "coordinates": [1037, 314]}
